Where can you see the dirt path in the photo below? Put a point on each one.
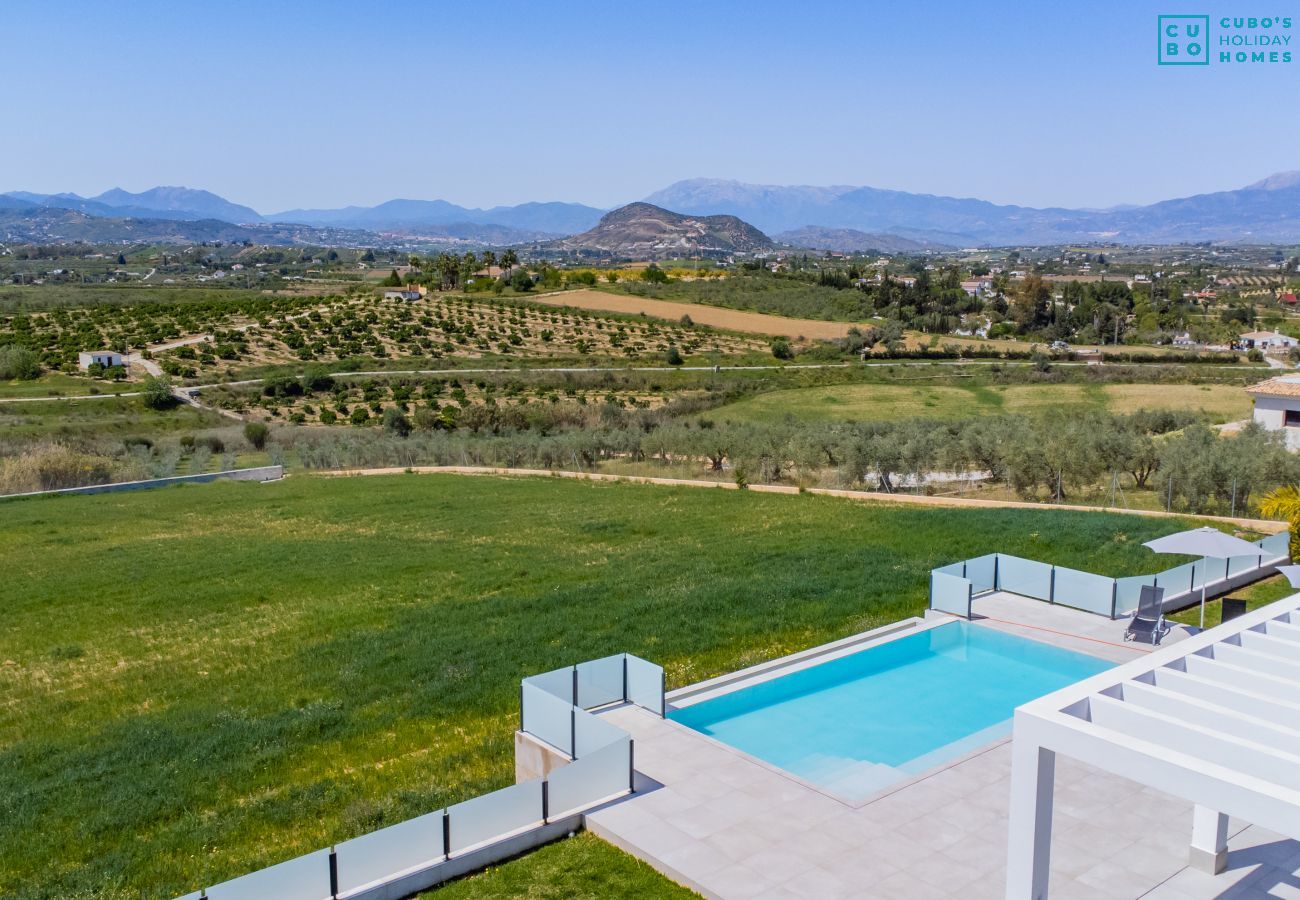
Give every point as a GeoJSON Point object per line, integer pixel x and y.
{"type": "Point", "coordinates": [716, 316]}
{"type": "Point", "coordinates": [1265, 526]}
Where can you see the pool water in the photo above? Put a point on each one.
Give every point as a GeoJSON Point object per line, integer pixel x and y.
{"type": "Point", "coordinates": [862, 722]}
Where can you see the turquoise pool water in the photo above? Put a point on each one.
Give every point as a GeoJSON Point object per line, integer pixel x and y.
{"type": "Point", "coordinates": [859, 723]}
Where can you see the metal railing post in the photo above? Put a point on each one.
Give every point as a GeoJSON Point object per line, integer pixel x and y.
{"type": "Point", "coordinates": [1114, 597]}
{"type": "Point", "coordinates": [334, 873]}
{"type": "Point", "coordinates": [446, 835]}
{"type": "Point", "coordinates": [631, 767]}
{"type": "Point", "coordinates": [997, 574]}
{"type": "Point", "coordinates": [546, 801]}
{"type": "Point", "coordinates": [1051, 585]}
{"type": "Point", "coordinates": [624, 677]}
{"type": "Point", "coordinates": [573, 733]}
{"type": "Point", "coordinates": [575, 685]}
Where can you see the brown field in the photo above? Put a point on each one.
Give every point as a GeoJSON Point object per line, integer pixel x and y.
{"type": "Point", "coordinates": [715, 316]}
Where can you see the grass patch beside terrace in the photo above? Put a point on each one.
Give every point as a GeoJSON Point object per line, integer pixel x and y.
{"type": "Point", "coordinates": [581, 868]}
{"type": "Point", "coordinates": [846, 402]}
{"type": "Point", "coordinates": [203, 680]}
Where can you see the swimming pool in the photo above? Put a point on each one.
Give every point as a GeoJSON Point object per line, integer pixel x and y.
{"type": "Point", "coordinates": [861, 722]}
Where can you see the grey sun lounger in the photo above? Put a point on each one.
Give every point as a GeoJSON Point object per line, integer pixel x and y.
{"type": "Point", "coordinates": [1148, 623]}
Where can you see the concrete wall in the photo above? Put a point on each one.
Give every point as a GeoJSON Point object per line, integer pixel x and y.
{"type": "Point", "coordinates": [260, 473]}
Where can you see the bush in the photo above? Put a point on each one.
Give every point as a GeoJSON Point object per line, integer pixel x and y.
{"type": "Point", "coordinates": [156, 392]}
{"type": "Point", "coordinates": [360, 416]}
{"type": "Point", "coordinates": [395, 422]}
{"type": "Point", "coordinates": [327, 417]}
{"type": "Point", "coordinates": [256, 434]}
{"type": "Point", "coordinates": [673, 356]}
{"type": "Point", "coordinates": [18, 362]}
{"type": "Point", "coordinates": [212, 443]}
{"type": "Point", "coordinates": [51, 467]}
{"type": "Point", "coordinates": [781, 349]}
{"type": "Point", "coordinates": [317, 378]}
{"type": "Point", "coordinates": [426, 418]}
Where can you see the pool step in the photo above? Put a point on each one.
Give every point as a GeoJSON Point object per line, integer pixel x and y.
{"type": "Point", "coordinates": [848, 777]}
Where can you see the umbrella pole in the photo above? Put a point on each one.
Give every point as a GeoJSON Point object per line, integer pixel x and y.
{"type": "Point", "coordinates": [1203, 580]}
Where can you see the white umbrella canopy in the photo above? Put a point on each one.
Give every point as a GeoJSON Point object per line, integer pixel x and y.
{"type": "Point", "coordinates": [1292, 574]}
{"type": "Point", "coordinates": [1203, 542]}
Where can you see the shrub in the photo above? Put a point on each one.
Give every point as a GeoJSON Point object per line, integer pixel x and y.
{"type": "Point", "coordinates": [156, 392]}
{"type": "Point", "coordinates": [426, 418]}
{"type": "Point", "coordinates": [360, 416]}
{"type": "Point", "coordinates": [327, 417]}
{"type": "Point", "coordinates": [673, 356]}
{"type": "Point", "coordinates": [395, 422]}
{"type": "Point", "coordinates": [18, 362]}
{"type": "Point", "coordinates": [317, 378]}
{"type": "Point", "coordinates": [212, 443]}
{"type": "Point", "coordinates": [51, 467]}
{"type": "Point", "coordinates": [781, 349]}
{"type": "Point", "coordinates": [256, 434]}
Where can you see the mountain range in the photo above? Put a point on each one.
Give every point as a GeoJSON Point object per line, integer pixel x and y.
{"type": "Point", "coordinates": [831, 217]}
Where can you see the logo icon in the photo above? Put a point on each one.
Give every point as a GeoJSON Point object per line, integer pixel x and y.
{"type": "Point", "coordinates": [1183, 41]}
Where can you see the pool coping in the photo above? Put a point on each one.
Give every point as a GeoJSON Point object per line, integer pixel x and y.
{"type": "Point", "coordinates": [805, 659]}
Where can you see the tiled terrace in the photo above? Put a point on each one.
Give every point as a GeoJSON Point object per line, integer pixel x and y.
{"type": "Point", "coordinates": [731, 827]}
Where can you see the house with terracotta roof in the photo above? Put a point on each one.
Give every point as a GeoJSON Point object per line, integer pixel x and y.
{"type": "Point", "coordinates": [1277, 406]}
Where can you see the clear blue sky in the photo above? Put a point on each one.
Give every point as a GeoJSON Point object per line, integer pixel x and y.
{"type": "Point", "coordinates": [288, 104]}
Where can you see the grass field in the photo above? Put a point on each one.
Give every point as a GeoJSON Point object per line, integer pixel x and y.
{"type": "Point", "coordinates": [579, 868]}
{"type": "Point", "coordinates": [115, 417]}
{"type": "Point", "coordinates": [898, 401]}
{"type": "Point", "coordinates": [53, 384]}
{"type": "Point", "coordinates": [203, 680]}
{"type": "Point", "coordinates": [1256, 595]}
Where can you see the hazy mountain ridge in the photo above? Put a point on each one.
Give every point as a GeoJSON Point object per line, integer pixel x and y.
{"type": "Point", "coordinates": [1266, 211]}
{"type": "Point", "coordinates": [1261, 212]}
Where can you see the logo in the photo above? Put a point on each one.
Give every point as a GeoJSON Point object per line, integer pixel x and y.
{"type": "Point", "coordinates": [1183, 41]}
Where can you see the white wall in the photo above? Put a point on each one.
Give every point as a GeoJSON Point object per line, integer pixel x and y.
{"type": "Point", "coordinates": [1269, 413]}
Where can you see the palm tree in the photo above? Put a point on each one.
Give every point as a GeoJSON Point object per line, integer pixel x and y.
{"type": "Point", "coordinates": [489, 260]}
{"type": "Point", "coordinates": [1284, 503]}
{"type": "Point", "coordinates": [509, 260]}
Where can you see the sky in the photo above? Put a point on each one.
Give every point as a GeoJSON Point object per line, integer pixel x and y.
{"type": "Point", "coordinates": [293, 104]}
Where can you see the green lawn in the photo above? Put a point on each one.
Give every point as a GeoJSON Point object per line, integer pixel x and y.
{"type": "Point", "coordinates": [579, 868]}
{"type": "Point", "coordinates": [203, 680]}
{"type": "Point", "coordinates": [1256, 595]}
{"type": "Point", "coordinates": [54, 384]}
{"type": "Point", "coordinates": [848, 402]}
{"type": "Point", "coordinates": [89, 419]}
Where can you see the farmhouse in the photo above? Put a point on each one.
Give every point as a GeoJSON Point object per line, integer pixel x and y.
{"type": "Point", "coordinates": [1267, 340]}
{"type": "Point", "coordinates": [1277, 406]}
{"type": "Point", "coordinates": [106, 358]}
{"type": "Point", "coordinates": [410, 292]}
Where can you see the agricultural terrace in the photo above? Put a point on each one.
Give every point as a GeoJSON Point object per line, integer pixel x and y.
{"type": "Point", "coordinates": [250, 332]}
{"type": "Point", "coordinates": [204, 680]}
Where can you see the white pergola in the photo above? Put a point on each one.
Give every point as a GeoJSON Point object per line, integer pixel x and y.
{"type": "Point", "coordinates": [1213, 719]}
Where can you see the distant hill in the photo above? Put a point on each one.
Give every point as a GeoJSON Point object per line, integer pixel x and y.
{"type": "Point", "coordinates": [643, 230]}
{"type": "Point", "coordinates": [549, 218]}
{"type": "Point", "coordinates": [850, 240]}
{"type": "Point", "coordinates": [156, 203]}
{"type": "Point", "coordinates": [190, 203]}
{"type": "Point", "coordinates": [1267, 211]}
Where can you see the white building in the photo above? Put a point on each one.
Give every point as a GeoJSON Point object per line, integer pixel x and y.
{"type": "Point", "coordinates": [1268, 340]}
{"type": "Point", "coordinates": [1277, 406]}
{"type": "Point", "coordinates": [410, 292]}
{"type": "Point", "coordinates": [106, 358]}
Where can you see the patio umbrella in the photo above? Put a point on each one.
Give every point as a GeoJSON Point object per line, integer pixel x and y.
{"type": "Point", "coordinates": [1203, 542]}
{"type": "Point", "coordinates": [1292, 574]}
